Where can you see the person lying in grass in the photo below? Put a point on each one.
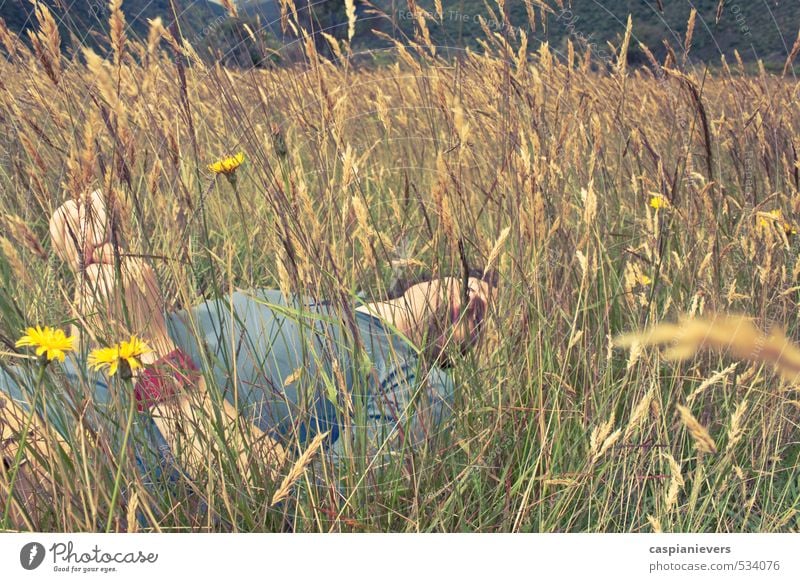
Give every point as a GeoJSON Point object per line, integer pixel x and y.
{"type": "Point", "coordinates": [251, 375]}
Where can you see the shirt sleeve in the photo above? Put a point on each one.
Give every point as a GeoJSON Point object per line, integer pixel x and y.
{"type": "Point", "coordinates": [268, 357]}
{"type": "Point", "coordinates": [408, 408]}
{"type": "Point", "coordinates": [18, 384]}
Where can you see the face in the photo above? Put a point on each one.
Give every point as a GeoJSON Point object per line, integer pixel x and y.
{"type": "Point", "coordinates": [440, 309]}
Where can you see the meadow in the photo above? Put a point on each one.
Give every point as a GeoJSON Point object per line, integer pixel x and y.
{"type": "Point", "coordinates": [608, 198]}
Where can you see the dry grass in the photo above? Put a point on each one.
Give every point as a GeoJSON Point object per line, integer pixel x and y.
{"type": "Point", "coordinates": [357, 176]}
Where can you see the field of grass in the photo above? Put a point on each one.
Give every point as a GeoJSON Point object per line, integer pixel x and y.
{"type": "Point", "coordinates": [358, 177]}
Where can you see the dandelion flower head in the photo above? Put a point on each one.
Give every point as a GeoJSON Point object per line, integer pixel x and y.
{"type": "Point", "coordinates": [227, 165]}
{"type": "Point", "coordinates": [49, 342]}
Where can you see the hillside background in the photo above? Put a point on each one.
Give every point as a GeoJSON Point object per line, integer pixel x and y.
{"type": "Point", "coordinates": [763, 29]}
{"type": "Point", "coordinates": [758, 30]}
{"type": "Point", "coordinates": [88, 19]}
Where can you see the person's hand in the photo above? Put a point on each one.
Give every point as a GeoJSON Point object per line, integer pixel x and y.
{"type": "Point", "coordinates": [115, 295]}
{"type": "Point", "coordinates": [81, 232]}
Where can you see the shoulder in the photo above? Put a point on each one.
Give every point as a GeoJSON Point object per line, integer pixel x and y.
{"type": "Point", "coordinates": [236, 303]}
{"type": "Point", "coordinates": [407, 372]}
{"type": "Point", "coordinates": [255, 312]}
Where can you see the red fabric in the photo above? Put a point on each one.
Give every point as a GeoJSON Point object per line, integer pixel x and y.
{"type": "Point", "coordinates": [166, 377]}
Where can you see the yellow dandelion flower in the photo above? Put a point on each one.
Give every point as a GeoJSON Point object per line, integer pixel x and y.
{"type": "Point", "coordinates": [776, 217]}
{"type": "Point", "coordinates": [659, 202]}
{"type": "Point", "coordinates": [132, 351]}
{"type": "Point", "coordinates": [126, 355]}
{"type": "Point", "coordinates": [645, 280]}
{"type": "Point", "coordinates": [104, 358]}
{"type": "Point", "coordinates": [51, 343]}
{"type": "Point", "coordinates": [228, 165]}
{"type": "Point", "coordinates": [768, 217]}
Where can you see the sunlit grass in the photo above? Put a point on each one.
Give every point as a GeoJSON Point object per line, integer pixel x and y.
{"type": "Point", "coordinates": [357, 177]}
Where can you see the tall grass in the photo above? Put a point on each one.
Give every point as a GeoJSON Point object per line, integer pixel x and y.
{"type": "Point", "coordinates": [357, 177]}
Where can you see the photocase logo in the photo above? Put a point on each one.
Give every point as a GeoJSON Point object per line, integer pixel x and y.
{"type": "Point", "coordinates": [31, 555]}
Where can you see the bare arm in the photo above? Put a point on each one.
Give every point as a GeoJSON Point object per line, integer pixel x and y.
{"type": "Point", "coordinates": [116, 300]}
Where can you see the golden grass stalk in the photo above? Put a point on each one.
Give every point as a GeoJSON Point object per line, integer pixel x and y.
{"type": "Point", "coordinates": [117, 30]}
{"type": "Point", "coordinates": [639, 413]}
{"type": "Point", "coordinates": [589, 198]}
{"type": "Point", "coordinates": [792, 54]}
{"type": "Point", "coordinates": [14, 260]}
{"type": "Point", "coordinates": [584, 263]}
{"type": "Point", "coordinates": [154, 33]}
{"type": "Point", "coordinates": [460, 122]}
{"type": "Point", "coordinates": [575, 338]}
{"type": "Point", "coordinates": [498, 245]}
{"type": "Point", "coordinates": [622, 59]}
{"type": "Point", "coordinates": [710, 382]}
{"type": "Point", "coordinates": [655, 524]}
{"type": "Point", "coordinates": [46, 43]}
{"type": "Point", "coordinates": [599, 433]}
{"type": "Point", "coordinates": [687, 44]}
{"type": "Point", "coordinates": [350, 10]}
{"type": "Point", "coordinates": [334, 44]}
{"type": "Point", "coordinates": [734, 333]}
{"type": "Point", "coordinates": [419, 16]}
{"type": "Point", "coordinates": [603, 439]}
{"type": "Point", "coordinates": [9, 40]}
{"type": "Point", "coordinates": [676, 481]}
{"type": "Point", "coordinates": [439, 10]}
{"type": "Point", "coordinates": [702, 439]}
{"type": "Point", "coordinates": [718, 15]}
{"type": "Point", "coordinates": [298, 469]}
{"type": "Point", "coordinates": [742, 480]}
{"type": "Point", "coordinates": [609, 442]}
{"type": "Point", "coordinates": [230, 6]}
{"type": "Point", "coordinates": [560, 482]}
{"type": "Point", "coordinates": [735, 431]}
{"type": "Point", "coordinates": [133, 506]}
{"type": "Point", "coordinates": [636, 352]}
{"type": "Point", "coordinates": [23, 235]}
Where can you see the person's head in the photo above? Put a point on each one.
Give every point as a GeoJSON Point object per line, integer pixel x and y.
{"type": "Point", "coordinates": [80, 230]}
{"type": "Point", "coordinates": [447, 314]}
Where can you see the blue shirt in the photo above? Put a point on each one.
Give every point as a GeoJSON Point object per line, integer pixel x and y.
{"type": "Point", "coordinates": [293, 369]}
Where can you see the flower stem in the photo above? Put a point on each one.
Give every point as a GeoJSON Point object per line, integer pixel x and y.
{"type": "Point", "coordinates": [234, 184]}
{"type": "Point", "coordinates": [125, 438]}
